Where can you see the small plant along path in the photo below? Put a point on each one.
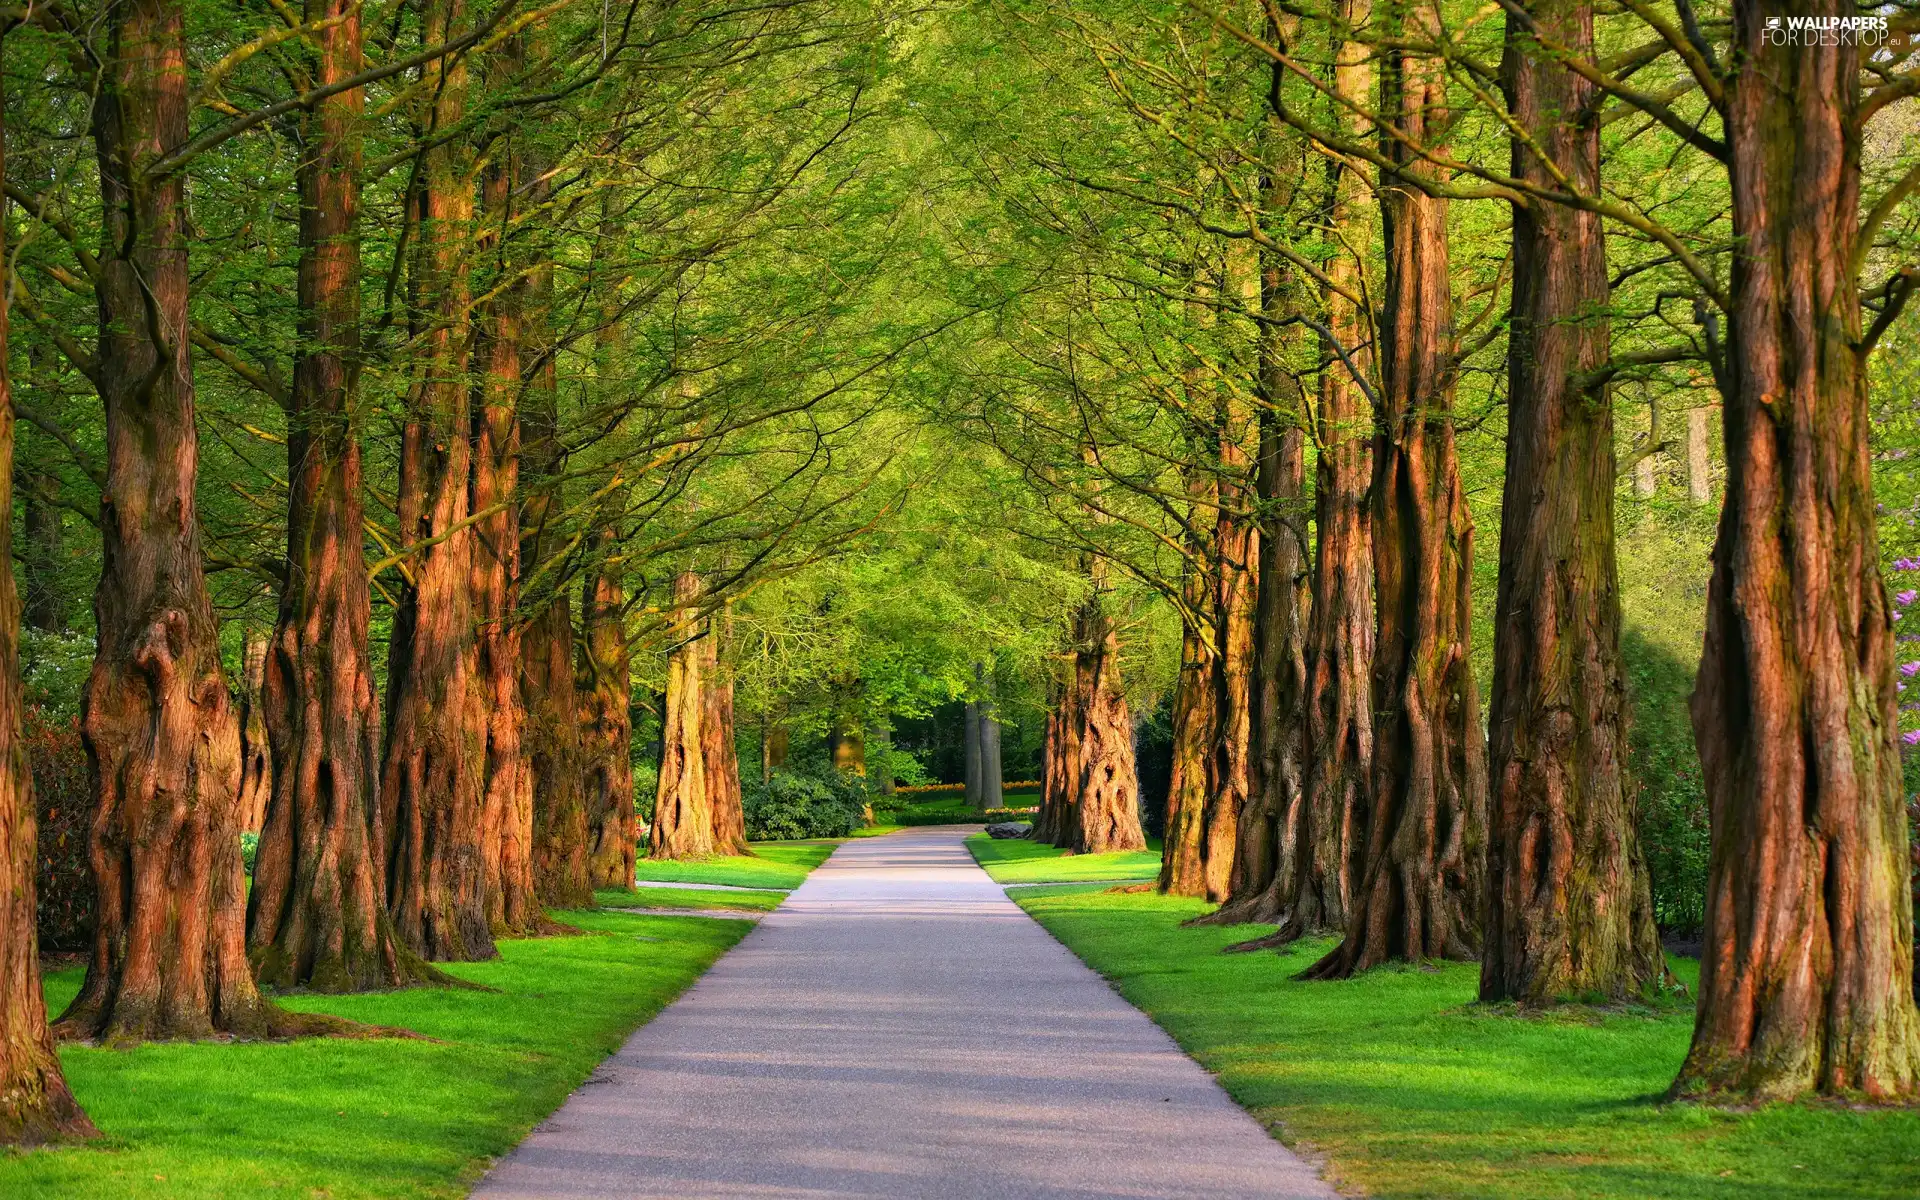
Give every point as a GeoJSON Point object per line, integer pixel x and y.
{"type": "Point", "coordinates": [899, 1028]}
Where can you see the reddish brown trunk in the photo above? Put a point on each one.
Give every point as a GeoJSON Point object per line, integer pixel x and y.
{"type": "Point", "coordinates": [721, 759]}
{"type": "Point", "coordinates": [682, 816]}
{"type": "Point", "coordinates": [256, 756]}
{"type": "Point", "coordinates": [1057, 821]}
{"type": "Point", "coordinates": [1569, 906]}
{"type": "Point", "coordinates": [1423, 884]}
{"type": "Point", "coordinates": [607, 734]}
{"type": "Point", "coordinates": [1188, 865]}
{"type": "Point", "coordinates": [1105, 813]}
{"type": "Point", "coordinates": [35, 1103]}
{"type": "Point", "coordinates": [435, 771]}
{"type": "Point", "coordinates": [317, 913]}
{"type": "Point", "coordinates": [1805, 979]}
{"type": "Point", "coordinates": [169, 955]}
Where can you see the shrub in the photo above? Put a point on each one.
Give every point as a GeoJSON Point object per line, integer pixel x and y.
{"type": "Point", "coordinates": [63, 806]}
{"type": "Point", "coordinates": [1666, 771]}
{"type": "Point", "coordinates": [805, 804]}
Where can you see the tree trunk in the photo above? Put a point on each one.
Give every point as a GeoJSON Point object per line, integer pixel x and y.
{"type": "Point", "coordinates": [976, 773]}
{"type": "Point", "coordinates": [1187, 867]}
{"type": "Point", "coordinates": [722, 758]}
{"type": "Point", "coordinates": [847, 747]}
{"type": "Point", "coordinates": [682, 815]}
{"type": "Point", "coordinates": [991, 783]}
{"type": "Point", "coordinates": [43, 560]}
{"type": "Point", "coordinates": [1806, 975]}
{"type": "Point", "coordinates": [35, 1104]}
{"type": "Point", "coordinates": [551, 764]}
{"type": "Point", "coordinates": [1105, 815]}
{"type": "Point", "coordinates": [433, 779]}
{"type": "Point", "coordinates": [1569, 904]}
{"type": "Point", "coordinates": [607, 736]}
{"type": "Point", "coordinates": [1423, 884]}
{"type": "Point", "coordinates": [256, 756]}
{"type": "Point", "coordinates": [1230, 768]}
{"type": "Point", "coordinates": [1058, 821]}
{"type": "Point", "coordinates": [169, 954]}
{"type": "Point", "coordinates": [317, 914]}
{"type": "Point", "coordinates": [1699, 465]}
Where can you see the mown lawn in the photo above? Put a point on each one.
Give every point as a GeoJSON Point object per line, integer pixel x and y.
{"type": "Point", "coordinates": [1013, 860]}
{"type": "Point", "coordinates": [778, 865]}
{"type": "Point", "coordinates": [1410, 1089]}
{"type": "Point", "coordinates": [670, 897]}
{"type": "Point", "coordinates": [389, 1118]}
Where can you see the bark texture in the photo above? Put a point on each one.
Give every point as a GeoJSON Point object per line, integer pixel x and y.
{"type": "Point", "coordinates": [682, 814]}
{"type": "Point", "coordinates": [317, 913]}
{"type": "Point", "coordinates": [1105, 811]}
{"type": "Point", "coordinates": [1423, 884]}
{"type": "Point", "coordinates": [169, 954]}
{"type": "Point", "coordinates": [722, 758]}
{"type": "Point", "coordinates": [1058, 820]}
{"type": "Point", "coordinates": [1806, 974]}
{"type": "Point", "coordinates": [1569, 905]}
{"type": "Point", "coordinates": [1191, 863]}
{"type": "Point", "coordinates": [36, 1105]}
{"type": "Point", "coordinates": [607, 730]}
{"type": "Point", "coordinates": [256, 756]}
{"type": "Point", "coordinates": [435, 771]}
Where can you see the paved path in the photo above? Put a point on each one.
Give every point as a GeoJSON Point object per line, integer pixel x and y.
{"type": "Point", "coordinates": [898, 1028]}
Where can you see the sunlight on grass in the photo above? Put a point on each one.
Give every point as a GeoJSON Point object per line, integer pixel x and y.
{"type": "Point", "coordinates": [378, 1118]}
{"type": "Point", "coordinates": [771, 865]}
{"type": "Point", "coordinates": [1013, 860]}
{"type": "Point", "coordinates": [667, 897]}
{"type": "Point", "coordinates": [1410, 1089]}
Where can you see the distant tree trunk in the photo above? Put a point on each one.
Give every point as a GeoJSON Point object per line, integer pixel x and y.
{"type": "Point", "coordinates": [1105, 814]}
{"type": "Point", "coordinates": [169, 951]}
{"type": "Point", "coordinates": [682, 813]}
{"type": "Point", "coordinates": [1423, 883]}
{"type": "Point", "coordinates": [36, 1105]}
{"type": "Point", "coordinates": [976, 768]}
{"type": "Point", "coordinates": [722, 765]}
{"type": "Point", "coordinates": [1186, 867]}
{"type": "Point", "coordinates": [44, 555]}
{"type": "Point", "coordinates": [1569, 904]}
{"type": "Point", "coordinates": [1058, 820]}
{"type": "Point", "coordinates": [991, 784]}
{"type": "Point", "coordinates": [256, 756]}
{"type": "Point", "coordinates": [316, 917]}
{"type": "Point", "coordinates": [552, 748]}
{"type": "Point", "coordinates": [607, 737]}
{"type": "Point", "coordinates": [1806, 974]}
{"type": "Point", "coordinates": [847, 746]}
{"type": "Point", "coordinates": [1699, 464]}
{"type": "Point", "coordinates": [434, 777]}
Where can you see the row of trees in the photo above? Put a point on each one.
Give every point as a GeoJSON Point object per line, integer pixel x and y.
{"type": "Point", "coordinates": [1244, 270]}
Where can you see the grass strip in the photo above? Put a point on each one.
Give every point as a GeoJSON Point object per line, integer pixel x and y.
{"type": "Point", "coordinates": [1015, 860]}
{"type": "Point", "coordinates": [1408, 1088]}
{"type": "Point", "coordinates": [771, 865]}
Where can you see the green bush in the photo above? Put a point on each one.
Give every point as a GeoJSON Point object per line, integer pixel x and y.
{"type": "Point", "coordinates": [1666, 770]}
{"type": "Point", "coordinates": [63, 805]}
{"type": "Point", "coordinates": [804, 804]}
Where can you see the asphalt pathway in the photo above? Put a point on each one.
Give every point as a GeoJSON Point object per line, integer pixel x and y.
{"type": "Point", "coordinates": [898, 1028]}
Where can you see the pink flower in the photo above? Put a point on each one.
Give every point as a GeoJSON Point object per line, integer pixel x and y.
{"type": "Point", "coordinates": [1910, 668]}
{"type": "Point", "coordinates": [1911, 737]}
{"type": "Point", "coordinates": [1907, 597]}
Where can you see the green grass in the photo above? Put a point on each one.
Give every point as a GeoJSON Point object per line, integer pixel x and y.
{"type": "Point", "coordinates": [1014, 860]}
{"type": "Point", "coordinates": [383, 1118]}
{"type": "Point", "coordinates": [783, 865]}
{"type": "Point", "coordinates": [1410, 1089]}
{"type": "Point", "coordinates": [667, 897]}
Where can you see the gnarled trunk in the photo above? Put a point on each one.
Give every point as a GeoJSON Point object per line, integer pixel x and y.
{"type": "Point", "coordinates": [169, 948]}
{"type": "Point", "coordinates": [1105, 814]}
{"type": "Point", "coordinates": [722, 758]}
{"type": "Point", "coordinates": [1805, 978]}
{"type": "Point", "coordinates": [607, 732]}
{"type": "Point", "coordinates": [433, 778]}
{"type": "Point", "coordinates": [1423, 884]}
{"type": "Point", "coordinates": [36, 1105]}
{"type": "Point", "coordinates": [682, 814]}
{"type": "Point", "coordinates": [1569, 904]}
{"type": "Point", "coordinates": [316, 917]}
{"type": "Point", "coordinates": [1190, 864]}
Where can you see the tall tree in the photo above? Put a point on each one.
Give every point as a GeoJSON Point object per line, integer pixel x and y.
{"type": "Point", "coordinates": [1569, 904]}
{"type": "Point", "coordinates": [169, 954]}
{"type": "Point", "coordinates": [317, 912]}
{"type": "Point", "coordinates": [1806, 974]}
{"type": "Point", "coordinates": [1104, 814]}
{"type": "Point", "coordinates": [36, 1105]}
{"type": "Point", "coordinates": [434, 773]}
{"type": "Point", "coordinates": [721, 764]}
{"type": "Point", "coordinates": [607, 724]}
{"type": "Point", "coordinates": [1422, 889]}
{"type": "Point", "coordinates": [682, 807]}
